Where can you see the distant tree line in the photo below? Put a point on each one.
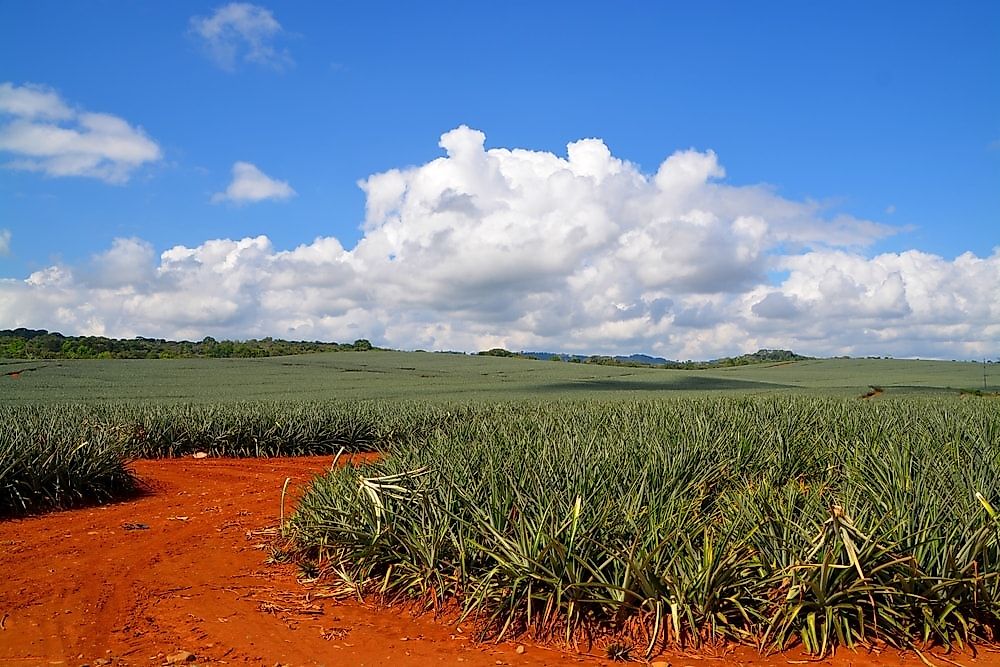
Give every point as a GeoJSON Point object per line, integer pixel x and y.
{"type": "Point", "coordinates": [42, 344]}
{"type": "Point", "coordinates": [759, 357]}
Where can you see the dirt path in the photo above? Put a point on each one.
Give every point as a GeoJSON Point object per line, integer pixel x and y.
{"type": "Point", "coordinates": [81, 587]}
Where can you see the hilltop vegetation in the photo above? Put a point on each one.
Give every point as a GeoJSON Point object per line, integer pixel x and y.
{"type": "Point", "coordinates": [641, 360]}
{"type": "Point", "coordinates": [42, 344]}
{"type": "Point", "coordinates": [761, 356]}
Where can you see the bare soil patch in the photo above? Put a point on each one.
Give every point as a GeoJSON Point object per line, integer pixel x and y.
{"type": "Point", "coordinates": [181, 568]}
{"type": "Point", "coordinates": [16, 374]}
{"type": "Point", "coordinates": [872, 393]}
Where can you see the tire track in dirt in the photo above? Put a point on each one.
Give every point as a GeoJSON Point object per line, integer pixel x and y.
{"type": "Point", "coordinates": [79, 586]}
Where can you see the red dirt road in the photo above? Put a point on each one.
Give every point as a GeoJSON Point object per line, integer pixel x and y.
{"type": "Point", "coordinates": [78, 587]}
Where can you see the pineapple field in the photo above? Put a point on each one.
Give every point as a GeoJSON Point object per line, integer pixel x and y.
{"type": "Point", "coordinates": [776, 507]}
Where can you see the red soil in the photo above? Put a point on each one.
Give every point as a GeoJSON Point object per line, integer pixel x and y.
{"type": "Point", "coordinates": [77, 587]}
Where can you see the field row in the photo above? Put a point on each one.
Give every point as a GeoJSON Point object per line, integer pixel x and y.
{"type": "Point", "coordinates": [455, 378]}
{"type": "Point", "coordinates": [62, 455]}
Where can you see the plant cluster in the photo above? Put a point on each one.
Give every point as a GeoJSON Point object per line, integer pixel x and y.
{"type": "Point", "coordinates": [767, 521]}
{"type": "Point", "coordinates": [58, 458]}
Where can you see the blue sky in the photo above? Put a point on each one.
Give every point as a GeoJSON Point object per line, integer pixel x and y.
{"type": "Point", "coordinates": [887, 114]}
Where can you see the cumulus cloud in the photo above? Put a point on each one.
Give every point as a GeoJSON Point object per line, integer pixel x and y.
{"type": "Point", "coordinates": [127, 265]}
{"type": "Point", "coordinates": [4, 242]}
{"type": "Point", "coordinates": [42, 133]}
{"type": "Point", "coordinates": [241, 32]}
{"type": "Point", "coordinates": [251, 185]}
{"type": "Point", "coordinates": [532, 250]}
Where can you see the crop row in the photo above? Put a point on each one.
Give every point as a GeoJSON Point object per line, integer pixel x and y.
{"type": "Point", "coordinates": [766, 521]}
{"type": "Point", "coordinates": [62, 455]}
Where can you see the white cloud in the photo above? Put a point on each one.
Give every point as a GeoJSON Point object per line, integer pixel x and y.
{"type": "Point", "coordinates": [250, 185]}
{"type": "Point", "coordinates": [532, 250]}
{"type": "Point", "coordinates": [241, 31]}
{"type": "Point", "coordinates": [4, 242]}
{"type": "Point", "coordinates": [44, 134]}
{"type": "Point", "coordinates": [32, 101]}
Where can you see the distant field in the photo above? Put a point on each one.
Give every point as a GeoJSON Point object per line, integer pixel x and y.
{"type": "Point", "coordinates": [447, 377]}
